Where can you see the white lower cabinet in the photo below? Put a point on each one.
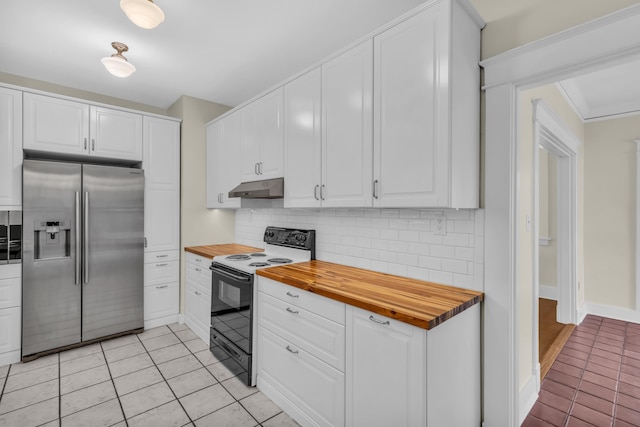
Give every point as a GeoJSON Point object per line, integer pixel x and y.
{"type": "Point", "coordinates": [197, 304]}
{"type": "Point", "coordinates": [10, 313]}
{"type": "Point", "coordinates": [301, 353]}
{"type": "Point", "coordinates": [386, 371]}
{"type": "Point", "coordinates": [161, 288]}
{"type": "Point", "coordinates": [332, 364]}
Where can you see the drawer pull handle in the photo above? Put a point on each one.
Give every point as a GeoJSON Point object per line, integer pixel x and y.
{"type": "Point", "coordinates": [292, 295]}
{"type": "Point", "coordinates": [162, 287]}
{"type": "Point", "coordinates": [197, 293]}
{"type": "Point", "coordinates": [161, 256]}
{"type": "Point", "coordinates": [292, 311]}
{"type": "Point", "coordinates": [373, 319]}
{"type": "Point", "coordinates": [198, 260]}
{"type": "Point", "coordinates": [162, 265]}
{"type": "Point", "coordinates": [290, 350]}
{"type": "Point", "coordinates": [198, 269]}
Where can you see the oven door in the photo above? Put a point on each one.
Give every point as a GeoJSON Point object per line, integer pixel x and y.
{"type": "Point", "coordinates": [231, 310]}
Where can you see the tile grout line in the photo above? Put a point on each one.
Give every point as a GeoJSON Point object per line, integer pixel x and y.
{"type": "Point", "coordinates": [106, 362]}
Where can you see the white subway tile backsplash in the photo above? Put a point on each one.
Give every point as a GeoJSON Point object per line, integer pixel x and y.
{"type": "Point", "coordinates": [395, 241]}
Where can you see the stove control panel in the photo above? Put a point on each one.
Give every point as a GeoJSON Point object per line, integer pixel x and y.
{"type": "Point", "coordinates": [291, 237]}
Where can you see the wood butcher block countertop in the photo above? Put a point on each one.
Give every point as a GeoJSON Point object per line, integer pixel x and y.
{"type": "Point", "coordinates": [419, 303]}
{"type": "Point", "coordinates": [210, 251]}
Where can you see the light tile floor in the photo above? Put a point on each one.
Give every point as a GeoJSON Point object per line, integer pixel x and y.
{"type": "Point", "coordinates": [165, 376]}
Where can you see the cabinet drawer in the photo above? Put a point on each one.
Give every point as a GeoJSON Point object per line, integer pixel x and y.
{"type": "Point", "coordinates": [198, 306]}
{"type": "Point", "coordinates": [325, 307]}
{"type": "Point", "coordinates": [10, 271]}
{"type": "Point", "coordinates": [315, 334]}
{"type": "Point", "coordinates": [161, 256]}
{"type": "Point", "coordinates": [161, 272]}
{"type": "Point", "coordinates": [10, 292]}
{"type": "Point", "coordinates": [197, 259]}
{"type": "Point", "coordinates": [161, 300]}
{"type": "Point", "coordinates": [199, 275]}
{"type": "Point", "coordinates": [10, 324]}
{"type": "Point", "coordinates": [314, 387]}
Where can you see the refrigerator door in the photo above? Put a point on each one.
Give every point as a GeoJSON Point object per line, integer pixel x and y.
{"type": "Point", "coordinates": [51, 291]}
{"type": "Point", "coordinates": [113, 263]}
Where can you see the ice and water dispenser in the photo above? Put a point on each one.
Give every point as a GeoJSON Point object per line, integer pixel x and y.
{"type": "Point", "coordinates": [10, 237]}
{"type": "Point", "coordinates": [52, 239]}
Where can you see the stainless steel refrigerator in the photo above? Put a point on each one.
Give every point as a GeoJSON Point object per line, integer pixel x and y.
{"type": "Point", "coordinates": [83, 253]}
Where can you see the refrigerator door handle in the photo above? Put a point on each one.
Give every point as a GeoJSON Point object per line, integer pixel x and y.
{"type": "Point", "coordinates": [85, 246]}
{"type": "Point", "coordinates": [78, 231]}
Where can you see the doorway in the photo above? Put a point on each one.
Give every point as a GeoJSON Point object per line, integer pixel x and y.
{"type": "Point", "coordinates": [555, 235]}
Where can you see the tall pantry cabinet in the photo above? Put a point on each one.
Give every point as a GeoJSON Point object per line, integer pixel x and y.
{"type": "Point", "coordinates": [161, 165]}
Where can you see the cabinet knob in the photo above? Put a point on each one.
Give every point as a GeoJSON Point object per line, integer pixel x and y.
{"type": "Point", "coordinates": [197, 293]}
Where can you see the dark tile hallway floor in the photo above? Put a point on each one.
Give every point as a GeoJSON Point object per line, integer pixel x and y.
{"type": "Point", "coordinates": [595, 381]}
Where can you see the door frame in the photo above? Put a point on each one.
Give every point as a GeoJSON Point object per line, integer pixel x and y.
{"type": "Point", "coordinates": [606, 41]}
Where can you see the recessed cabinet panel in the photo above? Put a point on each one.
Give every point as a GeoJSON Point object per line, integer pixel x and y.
{"type": "Point", "coordinates": [10, 324]}
{"type": "Point", "coordinates": [224, 160]}
{"type": "Point", "coordinates": [116, 134]}
{"type": "Point", "coordinates": [10, 148]}
{"type": "Point", "coordinates": [347, 146]}
{"type": "Point", "coordinates": [411, 112]}
{"type": "Point", "coordinates": [160, 272]}
{"type": "Point", "coordinates": [161, 300]}
{"type": "Point", "coordinates": [303, 142]}
{"type": "Point", "coordinates": [162, 219]}
{"type": "Point", "coordinates": [55, 125]}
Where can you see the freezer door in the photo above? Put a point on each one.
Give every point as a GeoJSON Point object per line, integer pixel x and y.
{"type": "Point", "coordinates": [113, 262]}
{"type": "Point", "coordinates": [51, 291]}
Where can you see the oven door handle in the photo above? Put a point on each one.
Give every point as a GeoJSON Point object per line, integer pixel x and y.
{"type": "Point", "coordinates": [231, 275]}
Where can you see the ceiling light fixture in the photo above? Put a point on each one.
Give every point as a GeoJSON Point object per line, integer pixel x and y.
{"type": "Point", "coordinates": [117, 64]}
{"type": "Point", "coordinates": [143, 13]}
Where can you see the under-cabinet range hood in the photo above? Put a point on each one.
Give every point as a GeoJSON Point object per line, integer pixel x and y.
{"type": "Point", "coordinates": [264, 189]}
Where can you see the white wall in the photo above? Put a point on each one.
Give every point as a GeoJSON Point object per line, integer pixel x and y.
{"type": "Point", "coordinates": [395, 241]}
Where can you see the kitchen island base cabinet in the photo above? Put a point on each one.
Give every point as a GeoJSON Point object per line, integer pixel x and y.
{"type": "Point", "coordinates": [401, 375]}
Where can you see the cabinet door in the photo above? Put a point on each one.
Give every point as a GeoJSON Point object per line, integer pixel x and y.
{"type": "Point", "coordinates": [262, 138]}
{"type": "Point", "coordinates": [250, 143]}
{"type": "Point", "coordinates": [55, 125]}
{"type": "Point", "coordinates": [10, 323]}
{"type": "Point", "coordinates": [385, 372]}
{"type": "Point", "coordinates": [197, 309]}
{"type": "Point", "coordinates": [162, 184]}
{"type": "Point", "coordinates": [270, 127]}
{"type": "Point", "coordinates": [302, 141]}
{"type": "Point", "coordinates": [116, 134]}
{"type": "Point", "coordinates": [347, 145]}
{"type": "Point", "coordinates": [10, 148]}
{"type": "Point", "coordinates": [214, 154]}
{"type": "Point", "coordinates": [411, 134]}
{"type": "Point", "coordinates": [229, 161]}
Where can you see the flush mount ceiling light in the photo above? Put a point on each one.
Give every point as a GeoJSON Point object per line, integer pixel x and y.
{"type": "Point", "coordinates": [117, 64]}
{"type": "Point", "coordinates": [143, 13]}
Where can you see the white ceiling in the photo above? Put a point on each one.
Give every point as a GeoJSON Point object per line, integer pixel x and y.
{"type": "Point", "coordinates": [224, 51]}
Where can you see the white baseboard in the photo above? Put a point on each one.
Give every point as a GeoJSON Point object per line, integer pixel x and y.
{"type": "Point", "coordinates": [548, 292]}
{"type": "Point", "coordinates": [529, 394]}
{"type": "Point", "coordinates": [161, 321]}
{"type": "Point", "coordinates": [9, 357]}
{"type": "Point", "coordinates": [582, 312]}
{"type": "Point", "coordinates": [619, 313]}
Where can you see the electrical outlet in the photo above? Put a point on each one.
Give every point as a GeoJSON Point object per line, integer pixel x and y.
{"type": "Point", "coordinates": [439, 226]}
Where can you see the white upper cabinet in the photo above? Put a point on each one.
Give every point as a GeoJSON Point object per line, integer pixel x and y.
{"type": "Point", "coordinates": [302, 141]}
{"type": "Point", "coordinates": [328, 143]}
{"type": "Point", "coordinates": [346, 128]}
{"type": "Point", "coordinates": [115, 134]}
{"type": "Point", "coordinates": [10, 148]}
{"type": "Point", "coordinates": [426, 110]}
{"type": "Point", "coordinates": [68, 127]}
{"type": "Point", "coordinates": [262, 138]}
{"type": "Point", "coordinates": [223, 161]}
{"type": "Point", "coordinates": [162, 184]}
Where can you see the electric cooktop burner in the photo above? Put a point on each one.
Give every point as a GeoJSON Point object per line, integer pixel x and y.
{"type": "Point", "coordinates": [279, 260]}
{"type": "Point", "coordinates": [259, 264]}
{"type": "Point", "coordinates": [238, 257]}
